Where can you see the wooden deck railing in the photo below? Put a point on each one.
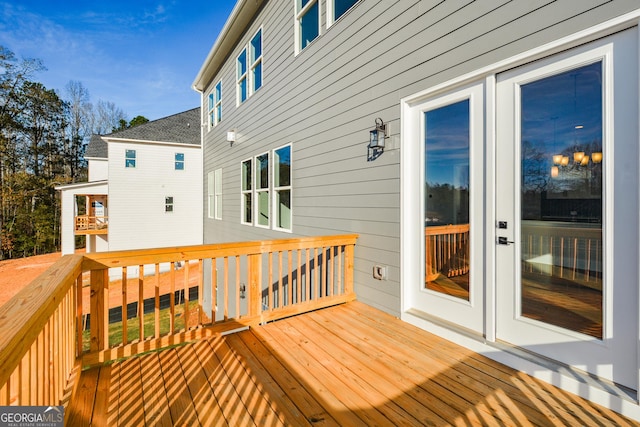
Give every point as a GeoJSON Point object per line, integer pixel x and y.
{"type": "Point", "coordinates": [446, 251]}
{"type": "Point", "coordinates": [38, 331]}
{"type": "Point", "coordinates": [43, 342]}
{"type": "Point", "coordinates": [91, 223]}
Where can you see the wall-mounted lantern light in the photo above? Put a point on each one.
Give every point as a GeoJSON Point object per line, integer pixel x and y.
{"type": "Point", "coordinates": [377, 139]}
{"type": "Point", "coordinates": [231, 136]}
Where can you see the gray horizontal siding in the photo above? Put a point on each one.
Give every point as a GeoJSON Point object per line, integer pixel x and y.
{"type": "Point", "coordinates": [324, 102]}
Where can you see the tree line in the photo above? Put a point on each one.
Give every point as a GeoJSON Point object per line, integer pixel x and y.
{"type": "Point", "coordinates": [43, 136]}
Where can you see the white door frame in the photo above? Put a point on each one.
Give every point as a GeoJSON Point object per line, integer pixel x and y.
{"type": "Point", "coordinates": [410, 206]}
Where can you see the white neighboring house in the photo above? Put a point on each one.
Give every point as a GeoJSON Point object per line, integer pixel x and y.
{"type": "Point", "coordinates": [144, 188]}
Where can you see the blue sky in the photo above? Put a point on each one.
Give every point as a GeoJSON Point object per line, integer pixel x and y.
{"type": "Point", "coordinates": [142, 55]}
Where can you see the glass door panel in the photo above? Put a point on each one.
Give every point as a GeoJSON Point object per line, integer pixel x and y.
{"type": "Point", "coordinates": [446, 202]}
{"type": "Point", "coordinates": [561, 165]}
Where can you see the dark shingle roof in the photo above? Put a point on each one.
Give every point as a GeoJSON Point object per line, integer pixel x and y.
{"type": "Point", "coordinates": [97, 148]}
{"type": "Point", "coordinates": [183, 128]}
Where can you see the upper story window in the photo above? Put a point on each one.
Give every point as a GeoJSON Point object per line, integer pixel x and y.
{"type": "Point", "coordinates": [179, 161]}
{"type": "Point", "coordinates": [307, 22]}
{"type": "Point", "coordinates": [130, 158]}
{"type": "Point", "coordinates": [339, 8]}
{"type": "Point", "coordinates": [168, 204]}
{"type": "Point", "coordinates": [241, 69]}
{"type": "Point", "coordinates": [249, 68]}
{"type": "Point", "coordinates": [215, 105]}
{"type": "Point", "coordinates": [255, 49]}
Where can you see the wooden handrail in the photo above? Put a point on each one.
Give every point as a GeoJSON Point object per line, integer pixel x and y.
{"type": "Point", "coordinates": [42, 340]}
{"type": "Point", "coordinates": [256, 266]}
{"type": "Point", "coordinates": [38, 331]}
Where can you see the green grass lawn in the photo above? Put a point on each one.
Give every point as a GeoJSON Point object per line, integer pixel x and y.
{"type": "Point", "coordinates": [133, 327]}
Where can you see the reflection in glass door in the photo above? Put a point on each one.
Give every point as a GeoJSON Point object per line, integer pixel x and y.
{"type": "Point", "coordinates": [446, 203]}
{"type": "Point", "coordinates": [561, 200]}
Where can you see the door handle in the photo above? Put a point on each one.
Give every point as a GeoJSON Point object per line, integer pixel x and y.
{"type": "Point", "coordinates": [504, 241]}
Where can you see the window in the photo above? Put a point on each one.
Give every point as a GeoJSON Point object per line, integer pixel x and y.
{"type": "Point", "coordinates": [179, 161]}
{"type": "Point", "coordinates": [247, 192]}
{"type": "Point", "coordinates": [308, 22]}
{"type": "Point", "coordinates": [262, 190]}
{"type": "Point", "coordinates": [168, 204]}
{"type": "Point", "coordinates": [249, 68]}
{"type": "Point", "coordinates": [339, 7]}
{"type": "Point", "coordinates": [215, 105]}
{"type": "Point", "coordinates": [255, 48]}
{"type": "Point", "coordinates": [241, 68]}
{"type": "Point", "coordinates": [214, 194]}
{"type": "Point", "coordinates": [130, 158]}
{"type": "Point", "coordinates": [282, 187]}
{"type": "Point", "coordinates": [265, 192]}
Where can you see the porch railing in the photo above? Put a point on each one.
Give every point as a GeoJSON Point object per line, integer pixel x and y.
{"type": "Point", "coordinates": [91, 223]}
{"type": "Point", "coordinates": [43, 341]}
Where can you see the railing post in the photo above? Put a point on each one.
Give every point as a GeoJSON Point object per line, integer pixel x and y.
{"type": "Point", "coordinates": [348, 268]}
{"type": "Point", "coordinates": [99, 309]}
{"type": "Point", "coordinates": [255, 284]}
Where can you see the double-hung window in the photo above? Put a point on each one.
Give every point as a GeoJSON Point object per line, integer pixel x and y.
{"type": "Point", "coordinates": [255, 53]}
{"type": "Point", "coordinates": [168, 204]}
{"type": "Point", "coordinates": [307, 22]}
{"type": "Point", "coordinates": [262, 190]}
{"type": "Point", "coordinates": [337, 8]}
{"type": "Point", "coordinates": [266, 190]}
{"type": "Point", "coordinates": [282, 187]}
{"type": "Point", "coordinates": [215, 105]}
{"type": "Point", "coordinates": [249, 68]}
{"type": "Point", "coordinates": [247, 192]}
{"type": "Point", "coordinates": [242, 77]}
{"type": "Point", "coordinates": [179, 161]}
{"type": "Point", "coordinates": [130, 158]}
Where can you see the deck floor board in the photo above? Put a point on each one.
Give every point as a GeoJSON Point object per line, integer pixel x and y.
{"type": "Point", "coordinates": [346, 365]}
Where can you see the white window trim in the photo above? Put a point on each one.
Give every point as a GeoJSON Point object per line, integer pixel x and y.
{"type": "Point", "coordinates": [331, 9]}
{"type": "Point", "coordinates": [243, 192]}
{"type": "Point", "coordinates": [134, 158]}
{"type": "Point", "coordinates": [242, 77]}
{"type": "Point", "coordinates": [175, 161]}
{"type": "Point", "coordinates": [251, 65]}
{"type": "Point", "coordinates": [280, 188]}
{"type": "Point", "coordinates": [298, 15]}
{"type": "Point", "coordinates": [214, 110]}
{"type": "Point", "coordinates": [257, 190]}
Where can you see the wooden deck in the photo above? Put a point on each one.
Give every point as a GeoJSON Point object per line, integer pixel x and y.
{"type": "Point", "coordinates": [345, 365]}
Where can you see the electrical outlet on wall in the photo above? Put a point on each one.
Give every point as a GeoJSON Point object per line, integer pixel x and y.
{"type": "Point", "coordinates": [380, 272]}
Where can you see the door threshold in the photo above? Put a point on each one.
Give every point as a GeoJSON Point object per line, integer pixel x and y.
{"type": "Point", "coordinates": [560, 368]}
{"type": "Point", "coordinates": [519, 358]}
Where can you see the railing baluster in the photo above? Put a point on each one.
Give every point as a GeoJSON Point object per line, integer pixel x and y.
{"type": "Point", "coordinates": [186, 295]}
{"type": "Point", "coordinates": [172, 299]}
{"type": "Point", "coordinates": [156, 311]}
{"type": "Point", "coordinates": [225, 285]}
{"type": "Point", "coordinates": [141, 303]}
{"type": "Point", "coordinates": [271, 302]}
{"type": "Point", "coordinates": [124, 314]}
